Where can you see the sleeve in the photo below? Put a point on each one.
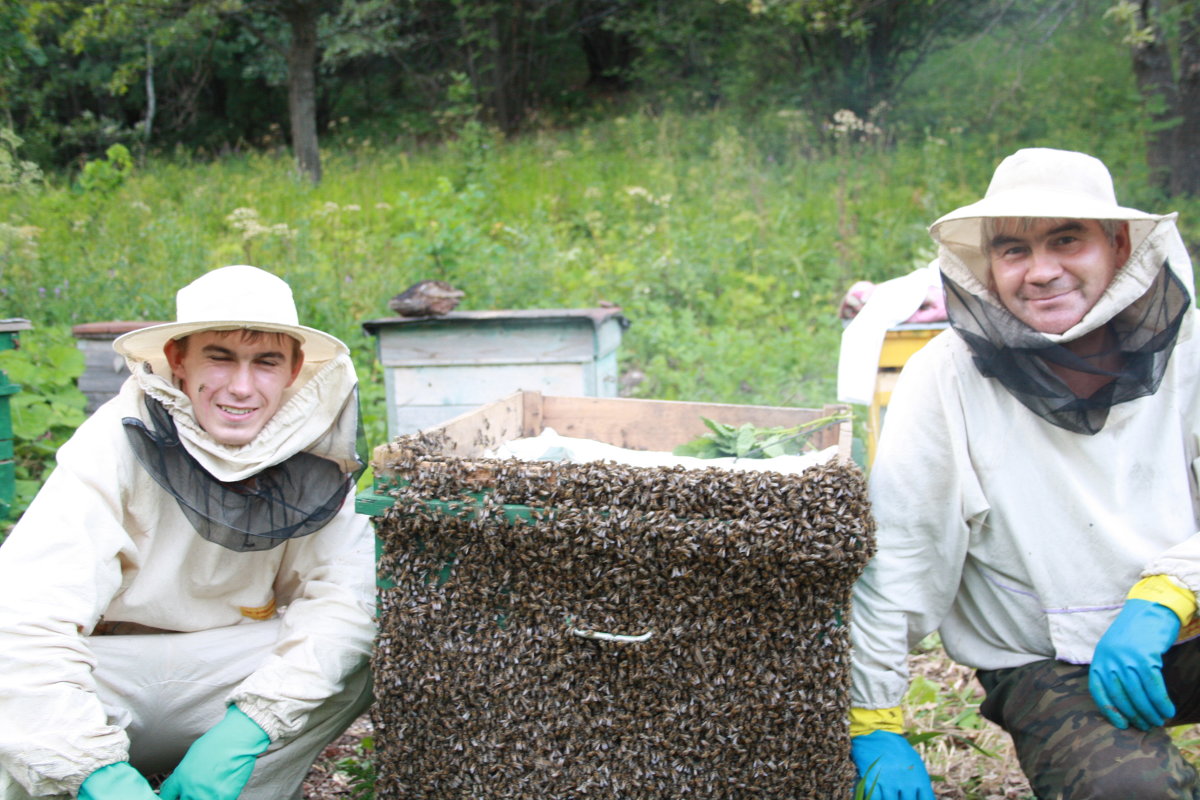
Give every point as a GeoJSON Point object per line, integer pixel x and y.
{"type": "Point", "coordinates": [59, 568]}
{"type": "Point", "coordinates": [327, 580]}
{"type": "Point", "coordinates": [1181, 563]}
{"type": "Point", "coordinates": [924, 497]}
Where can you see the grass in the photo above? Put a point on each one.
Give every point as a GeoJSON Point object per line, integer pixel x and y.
{"type": "Point", "coordinates": [723, 254]}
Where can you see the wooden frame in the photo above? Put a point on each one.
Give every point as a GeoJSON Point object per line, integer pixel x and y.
{"type": "Point", "coordinates": [633, 424]}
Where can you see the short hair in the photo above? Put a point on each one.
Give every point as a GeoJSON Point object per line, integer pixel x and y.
{"type": "Point", "coordinates": [248, 336]}
{"type": "Point", "coordinates": [987, 230]}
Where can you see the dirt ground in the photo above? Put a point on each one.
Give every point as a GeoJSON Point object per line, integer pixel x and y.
{"type": "Point", "coordinates": [326, 780]}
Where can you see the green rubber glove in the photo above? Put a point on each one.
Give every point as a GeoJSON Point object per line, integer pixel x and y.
{"type": "Point", "coordinates": [1125, 677]}
{"type": "Point", "coordinates": [117, 781]}
{"type": "Point", "coordinates": [218, 764]}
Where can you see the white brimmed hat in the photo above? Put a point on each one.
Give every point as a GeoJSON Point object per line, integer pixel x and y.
{"type": "Point", "coordinates": [1039, 182]}
{"type": "Point", "coordinates": [231, 298]}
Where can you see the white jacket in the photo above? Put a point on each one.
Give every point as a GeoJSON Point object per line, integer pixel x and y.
{"type": "Point", "coordinates": [1016, 539]}
{"type": "Point", "coordinates": [102, 542]}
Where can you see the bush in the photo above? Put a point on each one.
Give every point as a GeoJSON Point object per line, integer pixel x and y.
{"type": "Point", "coordinates": [46, 410]}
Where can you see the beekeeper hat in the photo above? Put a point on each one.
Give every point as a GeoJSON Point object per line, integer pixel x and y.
{"type": "Point", "coordinates": [231, 298]}
{"type": "Point", "coordinates": [1038, 182]}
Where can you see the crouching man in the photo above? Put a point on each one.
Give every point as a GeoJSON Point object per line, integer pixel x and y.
{"type": "Point", "coordinates": [191, 591]}
{"type": "Point", "coordinates": [1036, 494]}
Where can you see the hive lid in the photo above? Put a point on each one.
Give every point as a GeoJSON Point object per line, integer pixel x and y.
{"type": "Point", "coordinates": [597, 316]}
{"type": "Point", "coordinates": [109, 329]}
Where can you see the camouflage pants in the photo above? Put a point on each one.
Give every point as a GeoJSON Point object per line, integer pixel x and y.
{"type": "Point", "coordinates": [1070, 751]}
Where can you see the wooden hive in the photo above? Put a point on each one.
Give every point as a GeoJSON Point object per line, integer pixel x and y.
{"type": "Point", "coordinates": [593, 630]}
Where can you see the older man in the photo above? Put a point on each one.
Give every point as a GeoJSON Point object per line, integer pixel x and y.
{"type": "Point", "coordinates": [191, 591]}
{"type": "Point", "coordinates": [1036, 495]}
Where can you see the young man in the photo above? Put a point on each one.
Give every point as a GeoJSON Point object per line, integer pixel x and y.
{"type": "Point", "coordinates": [191, 591]}
{"type": "Point", "coordinates": [1035, 492]}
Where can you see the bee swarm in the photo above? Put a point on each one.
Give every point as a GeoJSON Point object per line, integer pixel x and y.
{"type": "Point", "coordinates": [485, 688]}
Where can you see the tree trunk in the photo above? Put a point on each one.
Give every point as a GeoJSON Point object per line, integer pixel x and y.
{"type": "Point", "coordinates": [1185, 168]}
{"type": "Point", "coordinates": [1156, 82]}
{"type": "Point", "coordinates": [151, 97]}
{"type": "Point", "coordinates": [302, 87]}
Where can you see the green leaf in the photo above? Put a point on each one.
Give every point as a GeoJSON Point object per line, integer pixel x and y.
{"type": "Point", "coordinates": [921, 738]}
{"type": "Point", "coordinates": [68, 362]}
{"type": "Point", "coordinates": [18, 367]}
{"type": "Point", "coordinates": [30, 420]}
{"type": "Point", "coordinates": [921, 691]}
{"type": "Point", "coordinates": [745, 440]}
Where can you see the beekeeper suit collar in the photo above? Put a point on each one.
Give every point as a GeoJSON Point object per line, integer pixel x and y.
{"type": "Point", "coordinates": [1146, 306]}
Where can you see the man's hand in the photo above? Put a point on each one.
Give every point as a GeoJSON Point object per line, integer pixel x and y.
{"type": "Point", "coordinates": [855, 298]}
{"type": "Point", "coordinates": [1125, 678]}
{"type": "Point", "coordinates": [889, 767]}
{"type": "Point", "coordinates": [118, 781]}
{"type": "Point", "coordinates": [218, 764]}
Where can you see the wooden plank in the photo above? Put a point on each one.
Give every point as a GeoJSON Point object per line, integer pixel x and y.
{"type": "Point", "coordinates": [453, 385]}
{"type": "Point", "coordinates": [416, 418]}
{"type": "Point", "coordinates": [531, 418]}
{"type": "Point", "coordinates": [634, 424]}
{"type": "Point", "coordinates": [664, 424]}
{"type": "Point", "coordinates": [493, 342]}
{"type": "Point", "coordinates": [469, 435]}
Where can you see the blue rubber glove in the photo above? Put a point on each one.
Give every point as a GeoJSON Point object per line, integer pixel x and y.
{"type": "Point", "coordinates": [889, 767]}
{"type": "Point", "coordinates": [218, 764]}
{"type": "Point", "coordinates": [1125, 678]}
{"type": "Point", "coordinates": [117, 781]}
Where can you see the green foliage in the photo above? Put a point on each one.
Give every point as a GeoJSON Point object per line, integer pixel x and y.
{"type": "Point", "coordinates": [105, 175]}
{"type": "Point", "coordinates": [49, 406]}
{"type": "Point", "coordinates": [360, 770]}
{"type": "Point", "coordinates": [826, 55]}
{"type": "Point", "coordinates": [749, 441]}
{"type": "Point", "coordinates": [16, 174]}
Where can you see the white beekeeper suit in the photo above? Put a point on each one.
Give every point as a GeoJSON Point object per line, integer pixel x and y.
{"type": "Point", "coordinates": [1019, 556]}
{"type": "Point", "coordinates": [124, 634]}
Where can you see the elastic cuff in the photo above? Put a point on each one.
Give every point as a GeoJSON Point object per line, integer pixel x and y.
{"type": "Point", "coordinates": [1166, 591]}
{"type": "Point", "coordinates": [259, 717]}
{"type": "Point", "coordinates": [868, 720]}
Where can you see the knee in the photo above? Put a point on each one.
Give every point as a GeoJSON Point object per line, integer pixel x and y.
{"type": "Point", "coordinates": [1117, 776]}
{"type": "Point", "coordinates": [355, 697]}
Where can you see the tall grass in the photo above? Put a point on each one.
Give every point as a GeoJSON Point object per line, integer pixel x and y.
{"type": "Point", "coordinates": [727, 241]}
{"type": "Point", "coordinates": [728, 261]}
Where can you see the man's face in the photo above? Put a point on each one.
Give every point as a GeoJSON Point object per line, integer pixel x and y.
{"type": "Point", "coordinates": [235, 379]}
{"type": "Point", "coordinates": [1051, 274]}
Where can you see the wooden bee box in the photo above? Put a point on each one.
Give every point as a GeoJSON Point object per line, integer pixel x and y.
{"type": "Point", "coordinates": [436, 368]}
{"type": "Point", "coordinates": [603, 631]}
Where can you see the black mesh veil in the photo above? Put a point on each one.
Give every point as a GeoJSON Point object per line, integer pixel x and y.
{"type": "Point", "coordinates": [1019, 357]}
{"type": "Point", "coordinates": [291, 499]}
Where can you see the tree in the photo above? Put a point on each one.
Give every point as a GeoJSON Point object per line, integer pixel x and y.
{"type": "Point", "coordinates": [302, 54]}
{"type": "Point", "coordinates": [288, 27]}
{"type": "Point", "coordinates": [1170, 86]}
{"type": "Point", "coordinates": [823, 55]}
{"type": "Point", "coordinates": [514, 52]}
